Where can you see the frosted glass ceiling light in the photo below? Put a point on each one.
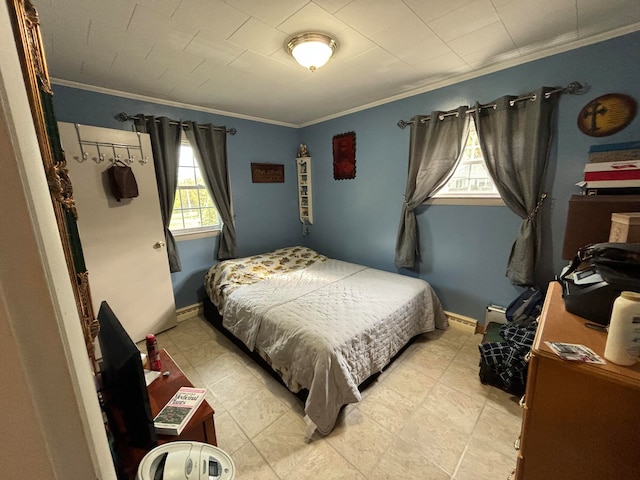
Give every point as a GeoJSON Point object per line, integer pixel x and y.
{"type": "Point", "coordinates": [311, 50]}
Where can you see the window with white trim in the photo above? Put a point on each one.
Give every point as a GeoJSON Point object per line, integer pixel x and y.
{"type": "Point", "coordinates": [471, 178]}
{"type": "Point", "coordinates": [193, 210]}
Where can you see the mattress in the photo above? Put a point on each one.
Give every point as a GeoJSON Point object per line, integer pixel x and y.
{"type": "Point", "coordinates": [323, 324]}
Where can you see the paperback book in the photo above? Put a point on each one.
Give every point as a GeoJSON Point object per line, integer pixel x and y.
{"type": "Point", "coordinates": [175, 415]}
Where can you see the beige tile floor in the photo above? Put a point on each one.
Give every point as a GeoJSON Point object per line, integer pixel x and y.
{"type": "Point", "coordinates": [427, 416]}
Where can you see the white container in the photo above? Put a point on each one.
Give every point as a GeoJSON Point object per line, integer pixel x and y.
{"type": "Point", "coordinates": [623, 339]}
{"type": "Point", "coordinates": [186, 461]}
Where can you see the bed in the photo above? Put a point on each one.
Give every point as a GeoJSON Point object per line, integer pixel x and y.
{"type": "Point", "coordinates": [323, 325]}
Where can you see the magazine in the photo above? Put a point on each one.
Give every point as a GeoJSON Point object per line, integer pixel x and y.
{"type": "Point", "coordinates": [575, 352]}
{"type": "Point", "coordinates": [177, 412]}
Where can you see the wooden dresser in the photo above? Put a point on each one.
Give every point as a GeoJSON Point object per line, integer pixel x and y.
{"type": "Point", "coordinates": [580, 421]}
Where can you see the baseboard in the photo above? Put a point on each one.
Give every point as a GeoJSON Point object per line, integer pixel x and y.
{"type": "Point", "coordinates": [190, 311]}
{"type": "Point", "coordinates": [463, 320]}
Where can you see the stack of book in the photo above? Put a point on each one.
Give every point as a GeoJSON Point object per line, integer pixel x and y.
{"type": "Point", "coordinates": [613, 168]}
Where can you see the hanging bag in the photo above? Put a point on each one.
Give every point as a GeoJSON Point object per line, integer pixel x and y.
{"type": "Point", "coordinates": [122, 181]}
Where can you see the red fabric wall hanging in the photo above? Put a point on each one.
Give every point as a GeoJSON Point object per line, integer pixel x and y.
{"type": "Point", "coordinates": [344, 156]}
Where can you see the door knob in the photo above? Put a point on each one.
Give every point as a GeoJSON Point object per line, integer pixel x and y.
{"type": "Point", "coordinates": [158, 245]}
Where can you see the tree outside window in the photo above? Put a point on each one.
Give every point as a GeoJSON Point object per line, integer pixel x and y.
{"type": "Point", "coordinates": [193, 208]}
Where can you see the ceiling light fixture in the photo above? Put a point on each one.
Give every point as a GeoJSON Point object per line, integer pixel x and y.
{"type": "Point", "coordinates": [312, 49]}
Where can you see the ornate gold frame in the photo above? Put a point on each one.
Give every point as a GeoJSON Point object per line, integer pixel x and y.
{"type": "Point", "coordinates": [26, 29]}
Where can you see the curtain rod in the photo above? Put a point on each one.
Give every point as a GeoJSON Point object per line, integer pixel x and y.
{"type": "Point", "coordinates": [574, 88]}
{"type": "Point", "coordinates": [124, 117]}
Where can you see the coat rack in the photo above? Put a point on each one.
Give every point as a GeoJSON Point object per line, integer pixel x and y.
{"type": "Point", "coordinates": [102, 156]}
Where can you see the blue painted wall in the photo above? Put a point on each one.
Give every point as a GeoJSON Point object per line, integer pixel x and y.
{"type": "Point", "coordinates": [464, 248]}
{"type": "Point", "coordinates": [266, 214]}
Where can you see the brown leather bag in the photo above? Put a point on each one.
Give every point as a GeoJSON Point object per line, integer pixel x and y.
{"type": "Point", "coordinates": [122, 181]}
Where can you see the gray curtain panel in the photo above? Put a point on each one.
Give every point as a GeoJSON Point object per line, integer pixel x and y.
{"type": "Point", "coordinates": [515, 138]}
{"type": "Point", "coordinates": [165, 144]}
{"type": "Point", "coordinates": [211, 150]}
{"type": "Point", "coordinates": [434, 151]}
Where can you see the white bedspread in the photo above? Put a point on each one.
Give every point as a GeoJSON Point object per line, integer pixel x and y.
{"type": "Point", "coordinates": [329, 326]}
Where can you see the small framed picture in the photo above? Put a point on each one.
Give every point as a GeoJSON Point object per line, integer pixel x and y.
{"type": "Point", "coordinates": [267, 173]}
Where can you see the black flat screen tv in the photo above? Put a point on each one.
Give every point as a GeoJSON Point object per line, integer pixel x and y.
{"type": "Point", "coordinates": [123, 379]}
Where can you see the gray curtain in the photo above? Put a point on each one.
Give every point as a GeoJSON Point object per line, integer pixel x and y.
{"type": "Point", "coordinates": [434, 151]}
{"type": "Point", "coordinates": [515, 138]}
{"type": "Point", "coordinates": [165, 144]}
{"type": "Point", "coordinates": [211, 150]}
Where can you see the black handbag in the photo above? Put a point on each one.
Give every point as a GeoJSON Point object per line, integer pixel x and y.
{"type": "Point", "coordinates": [617, 263]}
{"type": "Point", "coordinates": [616, 268]}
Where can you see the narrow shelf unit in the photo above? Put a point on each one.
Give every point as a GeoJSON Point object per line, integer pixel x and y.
{"type": "Point", "coordinates": [305, 204]}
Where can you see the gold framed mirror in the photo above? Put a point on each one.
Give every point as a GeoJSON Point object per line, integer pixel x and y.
{"type": "Point", "coordinates": [26, 29]}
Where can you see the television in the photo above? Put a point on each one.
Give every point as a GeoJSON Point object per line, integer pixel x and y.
{"type": "Point", "coordinates": [123, 380]}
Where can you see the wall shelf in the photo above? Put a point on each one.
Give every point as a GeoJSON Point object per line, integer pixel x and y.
{"type": "Point", "coordinates": [305, 203]}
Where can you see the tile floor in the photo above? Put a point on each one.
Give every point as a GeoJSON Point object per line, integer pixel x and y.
{"type": "Point", "coordinates": [427, 416]}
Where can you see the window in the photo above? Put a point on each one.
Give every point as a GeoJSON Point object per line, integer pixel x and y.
{"type": "Point", "coordinates": [193, 208]}
{"type": "Point", "coordinates": [471, 178]}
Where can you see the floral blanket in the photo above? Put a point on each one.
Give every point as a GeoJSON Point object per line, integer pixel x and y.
{"type": "Point", "coordinates": [225, 277]}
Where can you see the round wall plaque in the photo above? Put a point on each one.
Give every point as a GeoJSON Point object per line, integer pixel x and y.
{"type": "Point", "coordinates": [606, 115]}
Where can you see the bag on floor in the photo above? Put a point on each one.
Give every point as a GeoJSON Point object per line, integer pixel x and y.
{"type": "Point", "coordinates": [504, 348]}
{"type": "Point", "coordinates": [526, 307]}
{"type": "Point", "coordinates": [503, 362]}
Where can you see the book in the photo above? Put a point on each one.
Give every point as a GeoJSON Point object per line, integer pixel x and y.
{"type": "Point", "coordinates": [575, 352]}
{"type": "Point", "coordinates": [177, 412]}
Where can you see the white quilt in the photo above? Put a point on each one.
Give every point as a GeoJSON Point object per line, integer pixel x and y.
{"type": "Point", "coordinates": [329, 326]}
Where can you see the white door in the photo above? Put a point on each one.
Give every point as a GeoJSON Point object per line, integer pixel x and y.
{"type": "Point", "coordinates": [123, 242]}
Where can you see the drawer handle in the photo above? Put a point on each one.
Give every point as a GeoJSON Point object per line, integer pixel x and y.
{"type": "Point", "coordinates": [516, 444]}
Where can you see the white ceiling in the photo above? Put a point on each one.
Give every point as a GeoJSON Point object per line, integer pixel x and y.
{"type": "Point", "coordinates": [229, 57]}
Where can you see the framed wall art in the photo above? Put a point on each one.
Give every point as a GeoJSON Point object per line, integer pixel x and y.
{"type": "Point", "coordinates": [607, 115]}
{"type": "Point", "coordinates": [267, 173]}
{"type": "Point", "coordinates": [344, 156]}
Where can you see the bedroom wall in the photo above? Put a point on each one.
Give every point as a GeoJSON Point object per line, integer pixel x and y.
{"type": "Point", "coordinates": [465, 248]}
{"type": "Point", "coordinates": [266, 214]}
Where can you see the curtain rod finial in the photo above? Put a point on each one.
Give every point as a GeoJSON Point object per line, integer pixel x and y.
{"type": "Point", "coordinates": [122, 117]}
{"type": "Point", "coordinates": [402, 124]}
{"type": "Point", "coordinates": [576, 88]}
